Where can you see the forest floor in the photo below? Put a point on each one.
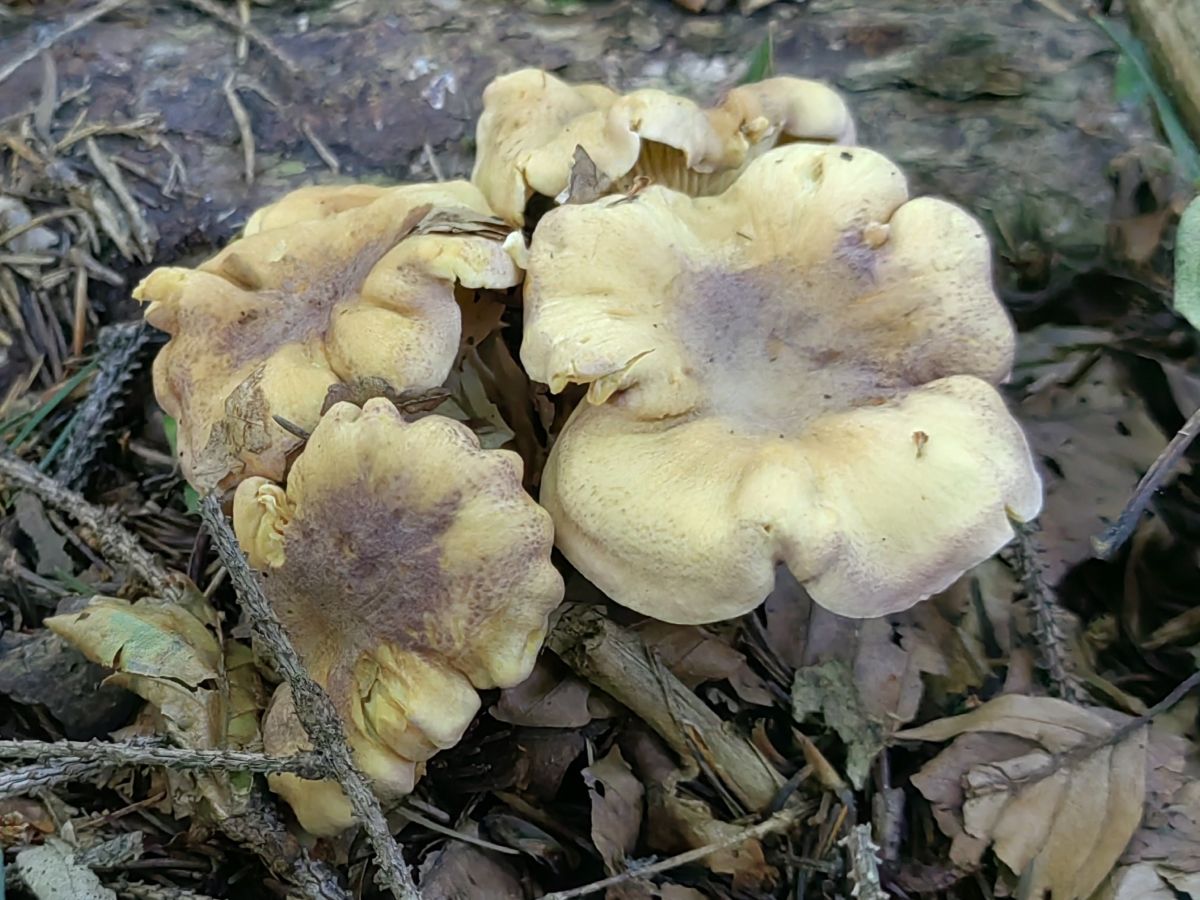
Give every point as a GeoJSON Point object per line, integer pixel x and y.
{"type": "Point", "coordinates": [1033, 726]}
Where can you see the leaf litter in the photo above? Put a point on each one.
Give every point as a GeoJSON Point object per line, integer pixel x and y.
{"type": "Point", "coordinates": [996, 789]}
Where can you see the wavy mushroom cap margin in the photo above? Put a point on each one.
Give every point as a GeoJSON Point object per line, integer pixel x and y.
{"type": "Point", "coordinates": [798, 371]}
{"type": "Point", "coordinates": [410, 569]}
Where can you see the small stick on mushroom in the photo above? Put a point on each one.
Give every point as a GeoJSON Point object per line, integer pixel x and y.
{"type": "Point", "coordinates": [313, 706]}
{"type": "Point", "coordinates": [618, 663]}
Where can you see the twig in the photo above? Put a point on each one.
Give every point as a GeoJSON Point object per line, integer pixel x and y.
{"type": "Point", "coordinates": [245, 128]}
{"type": "Point", "coordinates": [1046, 628]}
{"type": "Point", "coordinates": [245, 28]}
{"type": "Point", "coordinates": [143, 232]}
{"type": "Point", "coordinates": [864, 863]}
{"type": "Point", "coordinates": [327, 156]}
{"type": "Point", "coordinates": [619, 663]}
{"type": "Point", "coordinates": [118, 359]}
{"type": "Point", "coordinates": [313, 706]}
{"type": "Point", "coordinates": [259, 827]}
{"type": "Point", "coordinates": [21, 780]}
{"type": "Point", "coordinates": [306, 765]}
{"type": "Point", "coordinates": [1107, 544]}
{"type": "Point", "coordinates": [779, 822]}
{"type": "Point", "coordinates": [140, 890]}
{"type": "Point", "coordinates": [1086, 748]}
{"type": "Point", "coordinates": [114, 541]}
{"type": "Point", "coordinates": [414, 816]}
{"type": "Point", "coordinates": [82, 21]}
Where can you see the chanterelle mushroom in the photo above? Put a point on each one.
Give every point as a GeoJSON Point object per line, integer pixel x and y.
{"type": "Point", "coordinates": [409, 568]}
{"type": "Point", "coordinates": [532, 122]}
{"type": "Point", "coordinates": [796, 371]}
{"type": "Point", "coordinates": [328, 286]}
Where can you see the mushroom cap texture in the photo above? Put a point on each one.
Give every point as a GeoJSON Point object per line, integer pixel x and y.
{"type": "Point", "coordinates": [798, 371]}
{"type": "Point", "coordinates": [410, 568]}
{"type": "Point", "coordinates": [328, 285]}
{"type": "Point", "coordinates": [532, 122]}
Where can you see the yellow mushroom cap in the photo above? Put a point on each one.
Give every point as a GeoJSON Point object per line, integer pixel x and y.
{"type": "Point", "coordinates": [326, 288]}
{"type": "Point", "coordinates": [318, 201]}
{"type": "Point", "coordinates": [410, 569]}
{"type": "Point", "coordinates": [532, 122]}
{"type": "Point", "coordinates": [798, 371]}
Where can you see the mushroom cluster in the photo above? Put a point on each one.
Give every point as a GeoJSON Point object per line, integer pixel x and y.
{"type": "Point", "coordinates": [787, 362]}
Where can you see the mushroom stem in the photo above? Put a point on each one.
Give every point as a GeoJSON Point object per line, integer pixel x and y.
{"type": "Point", "coordinates": [620, 664]}
{"type": "Point", "coordinates": [313, 706]}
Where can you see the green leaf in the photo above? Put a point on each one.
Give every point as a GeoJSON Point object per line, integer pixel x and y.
{"type": "Point", "coordinates": [1128, 84]}
{"type": "Point", "coordinates": [1181, 145]}
{"type": "Point", "coordinates": [1187, 264]}
{"type": "Point", "coordinates": [171, 429]}
{"type": "Point", "coordinates": [762, 63]}
{"type": "Point", "coordinates": [191, 500]}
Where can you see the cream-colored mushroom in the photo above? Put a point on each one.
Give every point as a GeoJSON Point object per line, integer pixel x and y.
{"type": "Point", "coordinates": [328, 287]}
{"type": "Point", "coordinates": [798, 371]}
{"type": "Point", "coordinates": [532, 124]}
{"type": "Point", "coordinates": [410, 569]}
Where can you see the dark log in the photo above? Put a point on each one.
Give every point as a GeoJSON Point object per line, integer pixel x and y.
{"type": "Point", "coordinates": [1003, 105]}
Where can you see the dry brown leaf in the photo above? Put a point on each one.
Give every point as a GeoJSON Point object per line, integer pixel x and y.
{"type": "Point", "coordinates": [617, 797]}
{"type": "Point", "coordinates": [695, 656]}
{"type": "Point", "coordinates": [676, 822]}
{"type": "Point", "coordinates": [460, 871]}
{"type": "Point", "coordinates": [887, 656]}
{"type": "Point", "coordinates": [548, 698]}
{"type": "Point", "coordinates": [1137, 882]}
{"type": "Point", "coordinates": [545, 757]}
{"type": "Point", "coordinates": [1169, 838]}
{"type": "Point", "coordinates": [1093, 436]}
{"type": "Point", "coordinates": [1058, 819]}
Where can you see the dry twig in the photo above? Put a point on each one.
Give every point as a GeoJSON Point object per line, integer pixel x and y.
{"type": "Point", "coordinates": [1046, 628]}
{"type": "Point", "coordinates": [273, 50]}
{"type": "Point", "coordinates": [781, 821]}
{"type": "Point", "coordinates": [21, 780]}
{"type": "Point", "coordinates": [306, 765]}
{"type": "Point", "coordinates": [114, 541]}
{"type": "Point", "coordinates": [619, 663]}
{"type": "Point", "coordinates": [1107, 544]}
{"type": "Point", "coordinates": [864, 863]}
{"type": "Point", "coordinates": [82, 21]}
{"type": "Point", "coordinates": [313, 706]}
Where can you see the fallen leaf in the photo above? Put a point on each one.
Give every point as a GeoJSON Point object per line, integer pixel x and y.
{"type": "Point", "coordinates": [1092, 435]}
{"type": "Point", "coordinates": [460, 871]}
{"type": "Point", "coordinates": [548, 698]}
{"type": "Point", "coordinates": [545, 756]}
{"type": "Point", "coordinates": [51, 873]}
{"type": "Point", "coordinates": [1169, 837]}
{"type": "Point", "coordinates": [42, 668]}
{"type": "Point", "coordinates": [1136, 882]}
{"type": "Point", "coordinates": [585, 183]}
{"type": "Point", "coordinates": [519, 834]}
{"type": "Point", "coordinates": [829, 689]}
{"type": "Point", "coordinates": [21, 820]}
{"type": "Point", "coordinates": [1058, 821]}
{"type": "Point", "coordinates": [677, 823]}
{"type": "Point", "coordinates": [695, 656]}
{"type": "Point", "coordinates": [51, 547]}
{"type": "Point", "coordinates": [208, 695]}
{"type": "Point", "coordinates": [616, 798]}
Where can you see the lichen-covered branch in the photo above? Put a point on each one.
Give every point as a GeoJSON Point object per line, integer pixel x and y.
{"type": "Point", "coordinates": [63, 753]}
